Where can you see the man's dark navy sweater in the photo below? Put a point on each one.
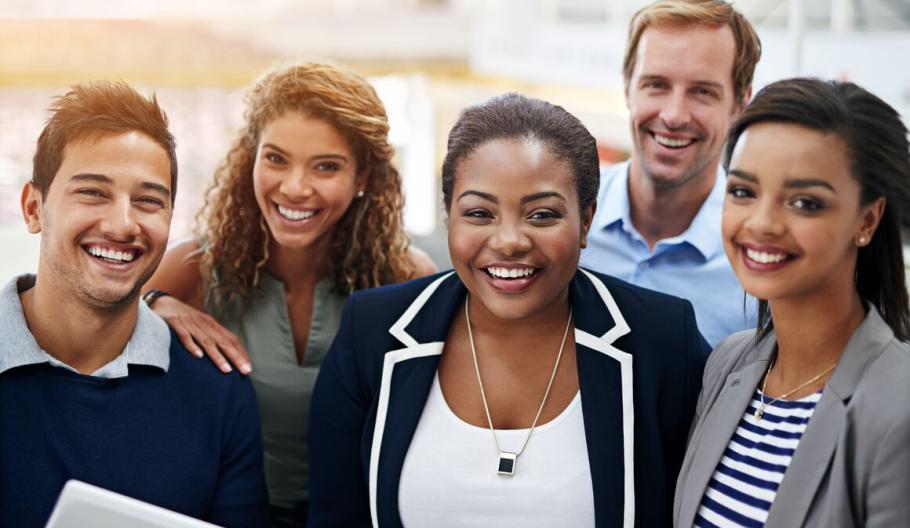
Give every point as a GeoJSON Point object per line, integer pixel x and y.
{"type": "Point", "coordinates": [187, 439]}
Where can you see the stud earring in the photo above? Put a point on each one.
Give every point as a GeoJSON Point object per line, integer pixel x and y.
{"type": "Point", "coordinates": [360, 193]}
{"type": "Point", "coordinates": [861, 241]}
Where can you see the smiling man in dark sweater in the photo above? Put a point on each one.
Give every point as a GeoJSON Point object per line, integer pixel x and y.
{"type": "Point", "coordinates": [93, 385]}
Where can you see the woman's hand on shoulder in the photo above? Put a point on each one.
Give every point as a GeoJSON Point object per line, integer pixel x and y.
{"type": "Point", "coordinates": [421, 262]}
{"type": "Point", "coordinates": [179, 276]}
{"type": "Point", "coordinates": [200, 332]}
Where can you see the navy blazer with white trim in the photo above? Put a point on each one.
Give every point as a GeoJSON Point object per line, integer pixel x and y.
{"type": "Point", "coordinates": [639, 356]}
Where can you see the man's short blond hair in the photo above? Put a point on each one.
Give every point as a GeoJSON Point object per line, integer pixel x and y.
{"type": "Point", "coordinates": [714, 13]}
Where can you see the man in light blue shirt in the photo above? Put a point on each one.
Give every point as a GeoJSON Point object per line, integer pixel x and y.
{"type": "Point", "coordinates": [688, 73]}
{"type": "Point", "coordinates": [691, 265]}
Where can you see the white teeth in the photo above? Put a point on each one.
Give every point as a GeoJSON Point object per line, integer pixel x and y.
{"type": "Point", "coordinates": [765, 258]}
{"type": "Point", "coordinates": [510, 273]}
{"type": "Point", "coordinates": [292, 214]}
{"type": "Point", "coordinates": [670, 142]}
{"type": "Point", "coordinates": [123, 256]}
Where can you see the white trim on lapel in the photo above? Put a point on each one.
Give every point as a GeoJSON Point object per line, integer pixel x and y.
{"type": "Point", "coordinates": [413, 350]}
{"type": "Point", "coordinates": [398, 329]}
{"type": "Point", "coordinates": [620, 327]}
{"type": "Point", "coordinates": [628, 418]}
{"type": "Point", "coordinates": [604, 345]}
{"type": "Point", "coordinates": [391, 359]}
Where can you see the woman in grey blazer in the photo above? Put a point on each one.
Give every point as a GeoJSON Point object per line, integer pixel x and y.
{"type": "Point", "coordinates": [805, 421]}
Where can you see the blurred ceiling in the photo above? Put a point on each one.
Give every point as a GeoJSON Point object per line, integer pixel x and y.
{"type": "Point", "coordinates": [227, 42]}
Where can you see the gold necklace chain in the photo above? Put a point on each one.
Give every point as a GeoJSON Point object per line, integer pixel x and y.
{"type": "Point", "coordinates": [508, 459]}
{"type": "Point", "coordinates": [761, 408]}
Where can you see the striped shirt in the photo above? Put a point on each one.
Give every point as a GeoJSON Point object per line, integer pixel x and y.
{"type": "Point", "coordinates": [745, 482]}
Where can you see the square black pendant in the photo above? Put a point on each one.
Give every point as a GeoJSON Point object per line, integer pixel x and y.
{"type": "Point", "coordinates": [507, 463]}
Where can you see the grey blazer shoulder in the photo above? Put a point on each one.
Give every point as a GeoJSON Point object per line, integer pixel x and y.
{"type": "Point", "coordinates": [852, 466]}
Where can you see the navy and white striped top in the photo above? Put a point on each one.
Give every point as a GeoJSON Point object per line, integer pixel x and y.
{"type": "Point", "coordinates": [745, 482]}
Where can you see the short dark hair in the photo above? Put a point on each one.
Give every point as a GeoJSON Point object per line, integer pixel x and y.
{"type": "Point", "coordinates": [98, 108]}
{"type": "Point", "coordinates": [514, 115]}
{"type": "Point", "coordinates": [877, 146]}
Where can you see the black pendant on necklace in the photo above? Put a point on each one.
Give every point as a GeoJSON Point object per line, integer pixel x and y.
{"type": "Point", "coordinates": [507, 463]}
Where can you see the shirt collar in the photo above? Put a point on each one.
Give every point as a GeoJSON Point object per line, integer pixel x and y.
{"type": "Point", "coordinates": [148, 345]}
{"type": "Point", "coordinates": [704, 231]}
{"type": "Point", "coordinates": [613, 202]}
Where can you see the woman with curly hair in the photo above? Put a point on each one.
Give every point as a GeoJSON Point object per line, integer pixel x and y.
{"type": "Point", "coordinates": [305, 209]}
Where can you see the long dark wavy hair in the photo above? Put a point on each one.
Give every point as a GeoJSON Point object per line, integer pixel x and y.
{"type": "Point", "coordinates": [877, 145]}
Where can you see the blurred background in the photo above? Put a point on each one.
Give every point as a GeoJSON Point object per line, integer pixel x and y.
{"type": "Point", "coordinates": [427, 58]}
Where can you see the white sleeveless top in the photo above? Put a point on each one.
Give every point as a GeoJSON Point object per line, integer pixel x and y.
{"type": "Point", "coordinates": [449, 477]}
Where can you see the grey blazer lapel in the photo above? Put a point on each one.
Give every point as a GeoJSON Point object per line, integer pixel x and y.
{"type": "Point", "coordinates": [817, 446]}
{"type": "Point", "coordinates": [809, 463]}
{"type": "Point", "coordinates": [722, 418]}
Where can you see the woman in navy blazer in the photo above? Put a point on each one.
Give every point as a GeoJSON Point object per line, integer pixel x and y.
{"type": "Point", "coordinates": [519, 182]}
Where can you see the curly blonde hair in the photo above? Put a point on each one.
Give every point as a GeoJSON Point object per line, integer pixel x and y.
{"type": "Point", "coordinates": [369, 247]}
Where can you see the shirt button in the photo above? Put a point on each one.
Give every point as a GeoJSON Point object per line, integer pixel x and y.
{"type": "Point", "coordinates": [643, 265]}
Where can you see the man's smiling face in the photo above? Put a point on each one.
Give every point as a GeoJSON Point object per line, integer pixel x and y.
{"type": "Point", "coordinates": [681, 102]}
{"type": "Point", "coordinates": [104, 221]}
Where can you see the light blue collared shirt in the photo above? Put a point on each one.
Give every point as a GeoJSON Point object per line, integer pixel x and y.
{"type": "Point", "coordinates": [692, 265]}
{"type": "Point", "coordinates": [149, 344]}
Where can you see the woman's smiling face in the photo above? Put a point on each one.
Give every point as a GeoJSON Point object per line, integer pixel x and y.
{"type": "Point", "coordinates": [515, 227]}
{"type": "Point", "coordinates": [305, 178]}
{"type": "Point", "coordinates": [792, 216]}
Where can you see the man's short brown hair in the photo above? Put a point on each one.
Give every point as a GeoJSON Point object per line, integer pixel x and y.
{"type": "Point", "coordinates": [99, 108]}
{"type": "Point", "coordinates": [716, 13]}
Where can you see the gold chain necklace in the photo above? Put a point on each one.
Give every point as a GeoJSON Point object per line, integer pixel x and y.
{"type": "Point", "coordinates": [761, 408]}
{"type": "Point", "coordinates": [507, 459]}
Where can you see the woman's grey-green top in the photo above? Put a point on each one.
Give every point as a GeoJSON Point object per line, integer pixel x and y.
{"type": "Point", "coordinates": [283, 385]}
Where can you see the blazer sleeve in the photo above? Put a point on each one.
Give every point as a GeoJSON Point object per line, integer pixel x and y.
{"type": "Point", "coordinates": [698, 350]}
{"type": "Point", "coordinates": [888, 496]}
{"type": "Point", "coordinates": [339, 407]}
{"type": "Point", "coordinates": [721, 362]}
